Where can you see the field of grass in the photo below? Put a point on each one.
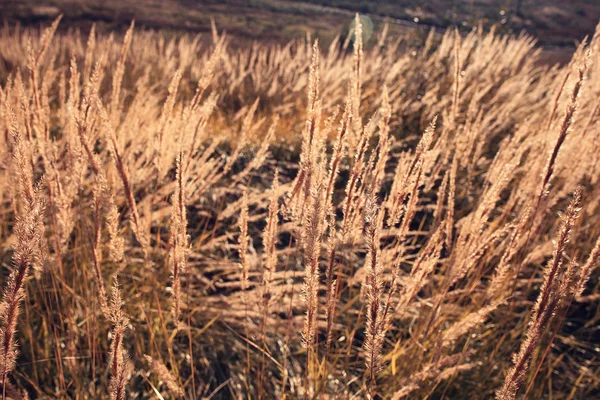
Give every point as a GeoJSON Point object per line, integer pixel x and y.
{"type": "Point", "coordinates": [191, 217]}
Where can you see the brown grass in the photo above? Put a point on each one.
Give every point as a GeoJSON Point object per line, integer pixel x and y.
{"type": "Point", "coordinates": [295, 222]}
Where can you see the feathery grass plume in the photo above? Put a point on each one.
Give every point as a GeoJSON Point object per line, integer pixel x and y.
{"type": "Point", "coordinates": [117, 79]}
{"type": "Point", "coordinates": [562, 134]}
{"type": "Point", "coordinates": [553, 268]}
{"type": "Point", "coordinates": [457, 74]}
{"type": "Point", "coordinates": [467, 323]}
{"type": "Point", "coordinates": [199, 130]}
{"type": "Point", "coordinates": [549, 300]}
{"type": "Point", "coordinates": [124, 175]}
{"type": "Point", "coordinates": [85, 123]}
{"type": "Point", "coordinates": [244, 240]}
{"type": "Point", "coordinates": [270, 240]}
{"type": "Point", "coordinates": [34, 65]}
{"type": "Point", "coordinates": [98, 195]}
{"type": "Point", "coordinates": [358, 55]}
{"type": "Point", "coordinates": [214, 31]}
{"type": "Point", "coordinates": [163, 374]}
{"type": "Point", "coordinates": [208, 72]}
{"type": "Point", "coordinates": [385, 141]}
{"type": "Point", "coordinates": [270, 236]}
{"type": "Point", "coordinates": [179, 238]}
{"type": "Point", "coordinates": [408, 189]}
{"type": "Point", "coordinates": [311, 126]}
{"type": "Point", "coordinates": [25, 108]}
{"type": "Point", "coordinates": [441, 196]}
{"type": "Point", "coordinates": [21, 158]}
{"type": "Point", "coordinates": [556, 102]}
{"type": "Point", "coordinates": [502, 273]}
{"type": "Point", "coordinates": [451, 203]}
{"type": "Point", "coordinates": [60, 198]}
{"type": "Point", "coordinates": [376, 304]}
{"type": "Point", "coordinates": [62, 97]}
{"type": "Point", "coordinates": [410, 209]}
{"type": "Point", "coordinates": [116, 243]}
{"type": "Point", "coordinates": [119, 362]}
{"type": "Point", "coordinates": [29, 231]}
{"type": "Point", "coordinates": [59, 201]}
{"type": "Point", "coordinates": [314, 96]}
{"type": "Point", "coordinates": [441, 369]}
{"type": "Point", "coordinates": [367, 178]}
{"type": "Point", "coordinates": [350, 205]}
{"type": "Point", "coordinates": [89, 54]}
{"type": "Point", "coordinates": [591, 263]}
{"type": "Point", "coordinates": [313, 228]}
{"type": "Point", "coordinates": [45, 42]}
{"type": "Point", "coordinates": [476, 252]}
{"type": "Point", "coordinates": [312, 234]}
{"type": "Point", "coordinates": [329, 212]}
{"type": "Point", "coordinates": [84, 120]}
{"type": "Point", "coordinates": [168, 110]}
{"type": "Point", "coordinates": [338, 151]}
{"type": "Point", "coordinates": [422, 268]}
{"type": "Point", "coordinates": [330, 299]}
{"type": "Point", "coordinates": [490, 197]}
{"type": "Point", "coordinates": [98, 71]}
{"type": "Point", "coordinates": [404, 183]}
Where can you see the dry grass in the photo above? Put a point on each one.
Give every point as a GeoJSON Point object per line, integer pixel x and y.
{"type": "Point", "coordinates": [386, 238]}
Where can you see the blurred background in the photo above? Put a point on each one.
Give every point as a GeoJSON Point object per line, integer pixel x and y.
{"type": "Point", "coordinates": [558, 24]}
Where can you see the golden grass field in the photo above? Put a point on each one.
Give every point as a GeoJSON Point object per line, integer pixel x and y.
{"type": "Point", "coordinates": [186, 219]}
